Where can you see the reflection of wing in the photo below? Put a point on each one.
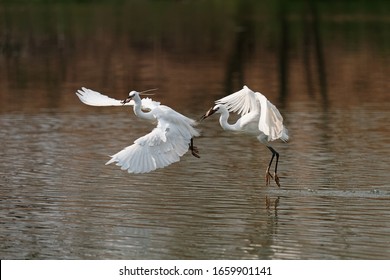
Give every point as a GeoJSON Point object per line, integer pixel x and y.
{"type": "Point", "coordinates": [94, 98]}
{"type": "Point", "coordinates": [271, 121]}
{"type": "Point", "coordinates": [163, 146]}
{"type": "Point", "coordinates": [242, 101]}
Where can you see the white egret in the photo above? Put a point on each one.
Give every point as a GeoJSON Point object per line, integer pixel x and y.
{"type": "Point", "coordinates": [164, 145]}
{"type": "Point", "coordinates": [259, 117]}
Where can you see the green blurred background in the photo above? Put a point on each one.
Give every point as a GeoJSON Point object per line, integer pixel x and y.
{"type": "Point", "coordinates": [289, 49]}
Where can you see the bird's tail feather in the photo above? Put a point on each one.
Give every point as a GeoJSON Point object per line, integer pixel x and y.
{"type": "Point", "coordinates": [284, 136]}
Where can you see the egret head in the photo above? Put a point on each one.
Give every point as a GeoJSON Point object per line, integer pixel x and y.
{"type": "Point", "coordinates": [211, 111]}
{"type": "Point", "coordinates": [132, 93]}
{"type": "Point", "coordinates": [130, 97]}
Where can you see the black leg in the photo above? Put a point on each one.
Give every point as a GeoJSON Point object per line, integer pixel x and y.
{"type": "Point", "coordinates": [268, 175]}
{"type": "Point", "coordinates": [272, 158]}
{"type": "Point", "coordinates": [277, 159]}
{"type": "Point", "coordinates": [194, 149]}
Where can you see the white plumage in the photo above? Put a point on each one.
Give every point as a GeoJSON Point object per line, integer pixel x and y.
{"type": "Point", "coordinates": [259, 117]}
{"type": "Point", "coordinates": [163, 146]}
{"type": "Point", "coordinates": [94, 98]}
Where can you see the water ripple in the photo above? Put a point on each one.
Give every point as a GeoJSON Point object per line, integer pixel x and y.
{"type": "Point", "coordinates": [59, 200]}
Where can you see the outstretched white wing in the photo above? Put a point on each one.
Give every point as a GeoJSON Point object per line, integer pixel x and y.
{"type": "Point", "coordinates": [163, 146]}
{"type": "Point", "coordinates": [271, 121]}
{"type": "Point", "coordinates": [94, 98]}
{"type": "Point", "coordinates": [241, 102]}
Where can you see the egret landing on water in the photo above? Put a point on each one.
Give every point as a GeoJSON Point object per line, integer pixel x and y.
{"type": "Point", "coordinates": [259, 118]}
{"type": "Point", "coordinates": [163, 146]}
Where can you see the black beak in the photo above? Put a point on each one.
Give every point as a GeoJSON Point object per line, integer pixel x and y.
{"type": "Point", "coordinates": [127, 100]}
{"type": "Point", "coordinates": [208, 114]}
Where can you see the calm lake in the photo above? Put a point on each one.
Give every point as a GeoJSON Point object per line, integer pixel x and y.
{"type": "Point", "coordinates": [324, 65]}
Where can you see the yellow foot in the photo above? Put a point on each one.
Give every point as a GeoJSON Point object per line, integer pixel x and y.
{"type": "Point", "coordinates": [276, 178]}
{"type": "Point", "coordinates": [195, 151]}
{"type": "Point", "coordinates": [268, 177]}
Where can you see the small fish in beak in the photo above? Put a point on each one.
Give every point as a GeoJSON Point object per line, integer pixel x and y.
{"type": "Point", "coordinates": [208, 113]}
{"type": "Point", "coordinates": [127, 100]}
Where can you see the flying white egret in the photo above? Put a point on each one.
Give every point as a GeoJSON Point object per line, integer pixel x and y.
{"type": "Point", "coordinates": [164, 145]}
{"type": "Point", "coordinates": [259, 117]}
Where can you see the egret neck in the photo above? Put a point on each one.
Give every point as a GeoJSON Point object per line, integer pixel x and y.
{"type": "Point", "coordinates": [223, 120]}
{"type": "Point", "coordinates": [138, 108]}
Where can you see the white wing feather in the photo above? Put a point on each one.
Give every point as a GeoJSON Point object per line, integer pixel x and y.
{"type": "Point", "coordinates": [148, 104]}
{"type": "Point", "coordinates": [183, 125]}
{"type": "Point", "coordinates": [240, 102]}
{"type": "Point", "coordinates": [163, 146]}
{"type": "Point", "coordinates": [94, 98]}
{"type": "Point", "coordinates": [271, 121]}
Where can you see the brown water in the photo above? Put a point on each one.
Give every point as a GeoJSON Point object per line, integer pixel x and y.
{"type": "Point", "coordinates": [59, 200]}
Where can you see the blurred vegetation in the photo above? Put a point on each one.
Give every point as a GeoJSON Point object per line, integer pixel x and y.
{"type": "Point", "coordinates": [33, 32]}
{"type": "Point", "coordinates": [196, 23]}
